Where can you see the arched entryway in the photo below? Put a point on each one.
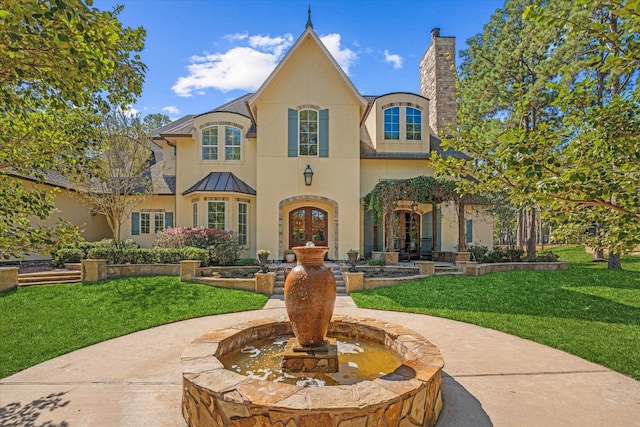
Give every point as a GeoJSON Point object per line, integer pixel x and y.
{"type": "Point", "coordinates": [307, 224]}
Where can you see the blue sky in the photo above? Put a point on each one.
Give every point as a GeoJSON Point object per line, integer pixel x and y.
{"type": "Point", "coordinates": [203, 53]}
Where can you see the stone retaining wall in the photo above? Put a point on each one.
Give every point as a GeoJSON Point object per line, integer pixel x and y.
{"type": "Point", "coordinates": [475, 269]}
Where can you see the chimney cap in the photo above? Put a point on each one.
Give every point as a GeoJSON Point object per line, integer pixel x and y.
{"type": "Point", "coordinates": [435, 33]}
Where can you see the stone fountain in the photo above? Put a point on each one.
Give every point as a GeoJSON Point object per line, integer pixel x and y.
{"type": "Point", "coordinates": [407, 394]}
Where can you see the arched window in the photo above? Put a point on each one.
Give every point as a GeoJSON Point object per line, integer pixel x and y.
{"type": "Point", "coordinates": [414, 124]}
{"type": "Point", "coordinates": [232, 143]}
{"type": "Point", "coordinates": [308, 133]}
{"type": "Point", "coordinates": [392, 123]}
{"type": "Point", "coordinates": [210, 143]}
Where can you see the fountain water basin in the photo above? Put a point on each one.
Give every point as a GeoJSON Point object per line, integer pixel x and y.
{"type": "Point", "coordinates": [410, 395]}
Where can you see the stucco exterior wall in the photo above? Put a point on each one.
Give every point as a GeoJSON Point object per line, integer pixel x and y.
{"type": "Point", "coordinates": [307, 80]}
{"type": "Point", "coordinates": [71, 207]}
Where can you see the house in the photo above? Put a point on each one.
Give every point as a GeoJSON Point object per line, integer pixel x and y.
{"type": "Point", "coordinates": [292, 162]}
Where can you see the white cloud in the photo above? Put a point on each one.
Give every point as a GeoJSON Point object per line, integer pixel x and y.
{"type": "Point", "coordinates": [236, 36]}
{"type": "Point", "coordinates": [394, 59]}
{"type": "Point", "coordinates": [171, 109]}
{"type": "Point", "coordinates": [242, 67]}
{"type": "Point", "coordinates": [275, 45]}
{"type": "Point", "coordinates": [344, 56]}
{"type": "Point", "coordinates": [131, 112]}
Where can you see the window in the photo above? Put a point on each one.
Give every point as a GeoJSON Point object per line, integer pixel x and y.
{"type": "Point", "coordinates": [158, 222]}
{"type": "Point", "coordinates": [175, 151]}
{"type": "Point", "coordinates": [392, 123]}
{"type": "Point", "coordinates": [308, 127]}
{"type": "Point", "coordinates": [469, 231]}
{"type": "Point", "coordinates": [145, 222]}
{"type": "Point", "coordinates": [210, 143]}
{"type": "Point", "coordinates": [232, 141]}
{"type": "Point", "coordinates": [215, 215]}
{"type": "Point", "coordinates": [243, 215]}
{"type": "Point", "coordinates": [194, 214]}
{"type": "Point", "coordinates": [414, 124]}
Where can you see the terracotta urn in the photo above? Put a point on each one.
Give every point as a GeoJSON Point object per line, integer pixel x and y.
{"type": "Point", "coordinates": [310, 295]}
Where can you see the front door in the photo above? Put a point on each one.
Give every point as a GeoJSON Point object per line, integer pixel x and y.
{"type": "Point", "coordinates": [308, 224]}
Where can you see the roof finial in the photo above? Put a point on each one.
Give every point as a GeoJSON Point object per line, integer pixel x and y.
{"type": "Point", "coordinates": [309, 23]}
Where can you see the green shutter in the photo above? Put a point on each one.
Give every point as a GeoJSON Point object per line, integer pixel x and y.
{"type": "Point", "coordinates": [293, 133]}
{"type": "Point", "coordinates": [323, 134]}
{"type": "Point", "coordinates": [168, 220]}
{"type": "Point", "coordinates": [135, 223]}
{"type": "Point", "coordinates": [469, 231]}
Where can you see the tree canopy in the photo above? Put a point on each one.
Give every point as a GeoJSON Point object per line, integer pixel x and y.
{"type": "Point", "coordinates": [62, 64]}
{"type": "Point", "coordinates": [548, 110]}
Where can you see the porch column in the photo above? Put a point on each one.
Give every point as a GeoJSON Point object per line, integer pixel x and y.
{"type": "Point", "coordinates": [434, 226]}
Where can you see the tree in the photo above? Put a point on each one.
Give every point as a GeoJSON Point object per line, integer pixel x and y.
{"type": "Point", "coordinates": [538, 128]}
{"type": "Point", "coordinates": [598, 100]}
{"type": "Point", "coordinates": [116, 180]}
{"type": "Point", "coordinates": [62, 63]}
{"type": "Point", "coordinates": [502, 103]}
{"type": "Point", "coordinates": [155, 121]}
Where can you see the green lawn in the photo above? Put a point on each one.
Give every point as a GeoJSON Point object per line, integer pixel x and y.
{"type": "Point", "coordinates": [41, 322]}
{"type": "Point", "coordinates": [587, 310]}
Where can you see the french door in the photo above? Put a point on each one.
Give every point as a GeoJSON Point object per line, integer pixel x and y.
{"type": "Point", "coordinates": [308, 224]}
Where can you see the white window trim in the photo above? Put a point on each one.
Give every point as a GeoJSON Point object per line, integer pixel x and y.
{"type": "Point", "coordinates": [384, 136]}
{"type": "Point", "coordinates": [194, 214]}
{"type": "Point", "coordinates": [148, 214]}
{"type": "Point", "coordinates": [234, 146]}
{"type": "Point", "coordinates": [406, 123]}
{"type": "Point", "coordinates": [226, 211]}
{"type": "Point", "coordinates": [246, 205]}
{"type": "Point", "coordinates": [317, 132]}
{"type": "Point", "coordinates": [202, 145]}
{"type": "Point", "coordinates": [155, 225]}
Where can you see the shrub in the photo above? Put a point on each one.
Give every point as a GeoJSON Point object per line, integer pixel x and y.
{"type": "Point", "coordinates": [245, 262]}
{"type": "Point", "coordinates": [225, 248]}
{"type": "Point", "coordinates": [547, 256]}
{"type": "Point", "coordinates": [375, 262]}
{"type": "Point", "coordinates": [514, 255]}
{"type": "Point", "coordinates": [67, 255]}
{"type": "Point", "coordinates": [479, 252]}
{"type": "Point", "coordinates": [189, 252]}
{"type": "Point", "coordinates": [168, 255]}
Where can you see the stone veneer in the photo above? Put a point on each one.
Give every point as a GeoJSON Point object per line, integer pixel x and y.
{"type": "Point", "coordinates": [437, 82]}
{"type": "Point", "coordinates": [215, 396]}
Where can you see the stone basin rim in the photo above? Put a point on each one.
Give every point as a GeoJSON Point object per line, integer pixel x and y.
{"type": "Point", "coordinates": [421, 369]}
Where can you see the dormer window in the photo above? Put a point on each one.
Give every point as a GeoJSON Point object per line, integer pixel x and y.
{"type": "Point", "coordinates": [414, 124]}
{"type": "Point", "coordinates": [211, 141]}
{"type": "Point", "coordinates": [402, 122]}
{"type": "Point", "coordinates": [392, 123]}
{"type": "Point", "coordinates": [308, 132]}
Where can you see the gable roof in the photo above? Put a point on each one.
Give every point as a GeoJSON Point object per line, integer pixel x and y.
{"type": "Point", "coordinates": [221, 182]}
{"type": "Point", "coordinates": [308, 34]}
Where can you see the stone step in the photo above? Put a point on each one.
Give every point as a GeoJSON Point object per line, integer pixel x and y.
{"type": "Point", "coordinates": [49, 277]}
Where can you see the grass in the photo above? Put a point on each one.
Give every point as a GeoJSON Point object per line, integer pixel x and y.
{"type": "Point", "coordinates": [41, 322]}
{"type": "Point", "coordinates": [587, 310]}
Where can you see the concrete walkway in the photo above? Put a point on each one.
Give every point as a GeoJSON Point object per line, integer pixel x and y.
{"type": "Point", "coordinates": [491, 379]}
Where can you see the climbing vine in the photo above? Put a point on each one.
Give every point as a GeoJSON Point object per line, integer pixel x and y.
{"type": "Point", "coordinates": [384, 197]}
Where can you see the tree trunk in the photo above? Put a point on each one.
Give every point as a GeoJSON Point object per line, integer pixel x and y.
{"type": "Point", "coordinates": [520, 231]}
{"type": "Point", "coordinates": [462, 247]}
{"type": "Point", "coordinates": [388, 230]}
{"type": "Point", "coordinates": [614, 262]}
{"type": "Point", "coordinates": [531, 237]}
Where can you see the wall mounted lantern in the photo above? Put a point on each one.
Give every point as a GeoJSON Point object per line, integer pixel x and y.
{"type": "Point", "coordinates": [308, 175]}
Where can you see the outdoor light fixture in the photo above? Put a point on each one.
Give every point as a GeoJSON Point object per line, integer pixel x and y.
{"type": "Point", "coordinates": [308, 175]}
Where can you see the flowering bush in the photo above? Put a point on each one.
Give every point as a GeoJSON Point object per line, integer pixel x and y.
{"type": "Point", "coordinates": [223, 246]}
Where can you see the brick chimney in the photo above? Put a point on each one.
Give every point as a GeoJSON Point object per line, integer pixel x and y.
{"type": "Point", "coordinates": [437, 82]}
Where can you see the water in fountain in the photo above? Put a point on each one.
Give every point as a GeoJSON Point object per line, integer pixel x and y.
{"type": "Point", "coordinates": [358, 361]}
